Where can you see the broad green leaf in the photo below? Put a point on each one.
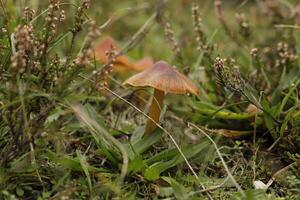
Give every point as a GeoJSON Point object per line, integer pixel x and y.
{"type": "Point", "coordinates": [19, 191]}
{"type": "Point", "coordinates": [180, 192]}
{"type": "Point", "coordinates": [170, 158]}
{"type": "Point", "coordinates": [137, 164]}
{"type": "Point", "coordinates": [95, 116]}
{"type": "Point", "coordinates": [71, 163]}
{"type": "Point", "coordinates": [152, 172]}
{"type": "Point", "coordinates": [143, 144]}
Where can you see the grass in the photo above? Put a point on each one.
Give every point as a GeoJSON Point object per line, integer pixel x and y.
{"type": "Point", "coordinates": [69, 129]}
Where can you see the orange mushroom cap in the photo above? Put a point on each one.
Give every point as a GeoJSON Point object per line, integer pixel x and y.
{"type": "Point", "coordinates": [105, 45]}
{"type": "Point", "coordinates": [122, 62]}
{"type": "Point", "coordinates": [164, 77]}
{"type": "Point", "coordinates": [143, 64]}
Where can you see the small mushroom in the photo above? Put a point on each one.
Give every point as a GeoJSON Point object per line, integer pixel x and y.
{"type": "Point", "coordinates": [122, 63]}
{"type": "Point", "coordinates": [253, 109]}
{"type": "Point", "coordinates": [142, 64]}
{"type": "Point", "coordinates": [164, 79]}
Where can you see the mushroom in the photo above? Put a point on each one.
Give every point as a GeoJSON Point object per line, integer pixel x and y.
{"type": "Point", "coordinates": [164, 79]}
{"type": "Point", "coordinates": [142, 64]}
{"type": "Point", "coordinates": [122, 63]}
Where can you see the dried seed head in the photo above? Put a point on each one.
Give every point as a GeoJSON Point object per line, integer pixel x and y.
{"type": "Point", "coordinates": [19, 62]}
{"type": "Point", "coordinates": [244, 25]}
{"type": "Point", "coordinates": [62, 16]}
{"type": "Point", "coordinates": [84, 57]}
{"type": "Point", "coordinates": [229, 76]}
{"type": "Point", "coordinates": [285, 53]}
{"type": "Point", "coordinates": [86, 4]}
{"type": "Point", "coordinates": [79, 18]}
{"type": "Point", "coordinates": [24, 44]}
{"type": "Point", "coordinates": [253, 52]}
{"type": "Point", "coordinates": [219, 65]}
{"type": "Point", "coordinates": [28, 14]}
{"type": "Point", "coordinates": [37, 65]}
{"type": "Point", "coordinates": [102, 75]}
{"type": "Point", "coordinates": [4, 30]}
{"type": "Point", "coordinates": [54, 16]}
{"type": "Point", "coordinates": [169, 33]}
{"type": "Point", "coordinates": [197, 22]}
{"type": "Point", "coordinates": [54, 4]}
{"type": "Point", "coordinates": [94, 32]}
{"type": "Point", "coordinates": [24, 38]}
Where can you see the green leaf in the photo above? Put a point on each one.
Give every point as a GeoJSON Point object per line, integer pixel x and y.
{"type": "Point", "coordinates": [165, 191]}
{"type": "Point", "coordinates": [288, 78]}
{"type": "Point", "coordinates": [100, 134]}
{"type": "Point", "coordinates": [3, 175]}
{"type": "Point", "coordinates": [19, 191]}
{"type": "Point", "coordinates": [143, 144]}
{"type": "Point", "coordinates": [251, 194]}
{"type": "Point", "coordinates": [152, 172]}
{"type": "Point", "coordinates": [95, 116]}
{"type": "Point", "coordinates": [85, 165]}
{"type": "Point", "coordinates": [171, 157]}
{"type": "Point", "coordinates": [288, 117]}
{"type": "Point", "coordinates": [71, 163]}
{"type": "Point", "coordinates": [137, 164]}
{"type": "Point", "coordinates": [53, 116]}
{"type": "Point", "coordinates": [103, 145]}
{"type": "Point", "coordinates": [285, 99]}
{"type": "Point", "coordinates": [220, 112]}
{"type": "Point", "coordinates": [269, 116]}
{"type": "Point", "coordinates": [180, 192]}
{"type": "Point", "coordinates": [22, 164]}
{"type": "Point", "coordinates": [131, 196]}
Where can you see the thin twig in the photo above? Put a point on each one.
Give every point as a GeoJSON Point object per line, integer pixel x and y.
{"type": "Point", "coordinates": [272, 179]}
{"type": "Point", "coordinates": [254, 164]}
{"type": "Point", "coordinates": [292, 26]}
{"type": "Point", "coordinates": [274, 144]}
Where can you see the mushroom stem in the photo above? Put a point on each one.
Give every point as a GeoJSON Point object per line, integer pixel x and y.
{"type": "Point", "coordinates": [154, 110]}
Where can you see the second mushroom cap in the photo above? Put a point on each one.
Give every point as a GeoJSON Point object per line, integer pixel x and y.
{"type": "Point", "coordinates": [164, 77]}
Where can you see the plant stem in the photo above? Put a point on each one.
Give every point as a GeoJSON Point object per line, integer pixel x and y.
{"type": "Point", "coordinates": [226, 115]}
{"type": "Point", "coordinates": [154, 110]}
